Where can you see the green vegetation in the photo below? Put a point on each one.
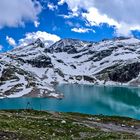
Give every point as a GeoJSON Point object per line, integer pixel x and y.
{"type": "Point", "coordinates": [37, 125]}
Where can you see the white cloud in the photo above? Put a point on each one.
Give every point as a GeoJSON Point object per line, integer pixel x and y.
{"type": "Point", "coordinates": [36, 23]}
{"type": "Point", "coordinates": [52, 7]}
{"type": "Point", "coordinates": [61, 2]}
{"type": "Point", "coordinates": [82, 30]}
{"type": "Point", "coordinates": [122, 14]}
{"type": "Point", "coordinates": [95, 18]}
{"type": "Point", "coordinates": [1, 47]}
{"type": "Point", "coordinates": [16, 12]}
{"type": "Point", "coordinates": [11, 41]}
{"type": "Point", "coordinates": [75, 5]}
{"type": "Point", "coordinates": [70, 15]}
{"type": "Point", "coordinates": [47, 38]}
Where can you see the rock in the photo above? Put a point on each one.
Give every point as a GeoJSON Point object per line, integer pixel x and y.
{"type": "Point", "coordinates": [39, 43]}
{"type": "Point", "coordinates": [63, 121]}
{"type": "Point", "coordinates": [123, 125]}
{"type": "Point", "coordinates": [89, 79]}
{"type": "Point", "coordinates": [79, 77]}
{"type": "Point", "coordinates": [125, 72]}
{"type": "Point", "coordinates": [41, 61]}
{"type": "Point", "coordinates": [73, 66]}
{"type": "Point", "coordinates": [100, 55]}
{"type": "Point", "coordinates": [59, 72]}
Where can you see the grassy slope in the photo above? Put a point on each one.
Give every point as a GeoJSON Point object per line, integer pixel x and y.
{"type": "Point", "coordinates": [35, 125]}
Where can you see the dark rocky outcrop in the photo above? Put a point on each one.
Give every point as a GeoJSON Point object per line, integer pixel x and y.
{"type": "Point", "coordinates": [120, 72]}
{"type": "Point", "coordinates": [8, 74]}
{"type": "Point", "coordinates": [100, 55]}
{"type": "Point", "coordinates": [39, 43]}
{"type": "Point", "coordinates": [89, 79]}
{"type": "Point", "coordinates": [69, 49]}
{"type": "Point", "coordinates": [41, 61]}
{"type": "Point", "coordinates": [60, 73]}
{"type": "Point", "coordinates": [78, 77]}
{"type": "Point", "coordinates": [125, 73]}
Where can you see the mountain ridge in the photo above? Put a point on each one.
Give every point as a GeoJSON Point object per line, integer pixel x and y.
{"type": "Point", "coordinates": [35, 69]}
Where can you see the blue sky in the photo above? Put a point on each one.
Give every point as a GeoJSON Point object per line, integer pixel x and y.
{"type": "Point", "coordinates": [88, 20]}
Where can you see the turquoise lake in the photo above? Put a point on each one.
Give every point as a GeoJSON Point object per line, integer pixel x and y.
{"type": "Point", "coordinates": [120, 101]}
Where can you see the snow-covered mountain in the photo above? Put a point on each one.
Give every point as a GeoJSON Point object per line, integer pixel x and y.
{"type": "Point", "coordinates": [34, 69]}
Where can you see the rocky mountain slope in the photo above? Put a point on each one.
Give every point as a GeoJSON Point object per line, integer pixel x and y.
{"type": "Point", "coordinates": [33, 70]}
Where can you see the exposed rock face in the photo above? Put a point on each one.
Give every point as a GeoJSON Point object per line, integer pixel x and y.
{"type": "Point", "coordinates": [41, 61]}
{"type": "Point", "coordinates": [34, 69]}
{"type": "Point", "coordinates": [125, 73]}
{"type": "Point", "coordinates": [13, 80]}
{"type": "Point", "coordinates": [67, 45]}
{"type": "Point", "coordinates": [39, 43]}
{"type": "Point", "coordinates": [120, 73]}
{"type": "Point", "coordinates": [89, 79]}
{"type": "Point", "coordinates": [100, 55]}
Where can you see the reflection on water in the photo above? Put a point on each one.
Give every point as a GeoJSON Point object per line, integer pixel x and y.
{"type": "Point", "coordinates": [88, 99]}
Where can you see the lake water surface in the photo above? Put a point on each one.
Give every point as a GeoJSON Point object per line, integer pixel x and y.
{"type": "Point", "coordinates": [122, 101]}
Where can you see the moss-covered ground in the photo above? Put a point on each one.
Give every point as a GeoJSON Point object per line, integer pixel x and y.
{"type": "Point", "coordinates": [39, 125]}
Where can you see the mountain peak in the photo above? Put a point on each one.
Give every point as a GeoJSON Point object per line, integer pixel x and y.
{"type": "Point", "coordinates": [38, 40]}
{"type": "Point", "coordinates": [68, 45]}
{"type": "Point", "coordinates": [39, 43]}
